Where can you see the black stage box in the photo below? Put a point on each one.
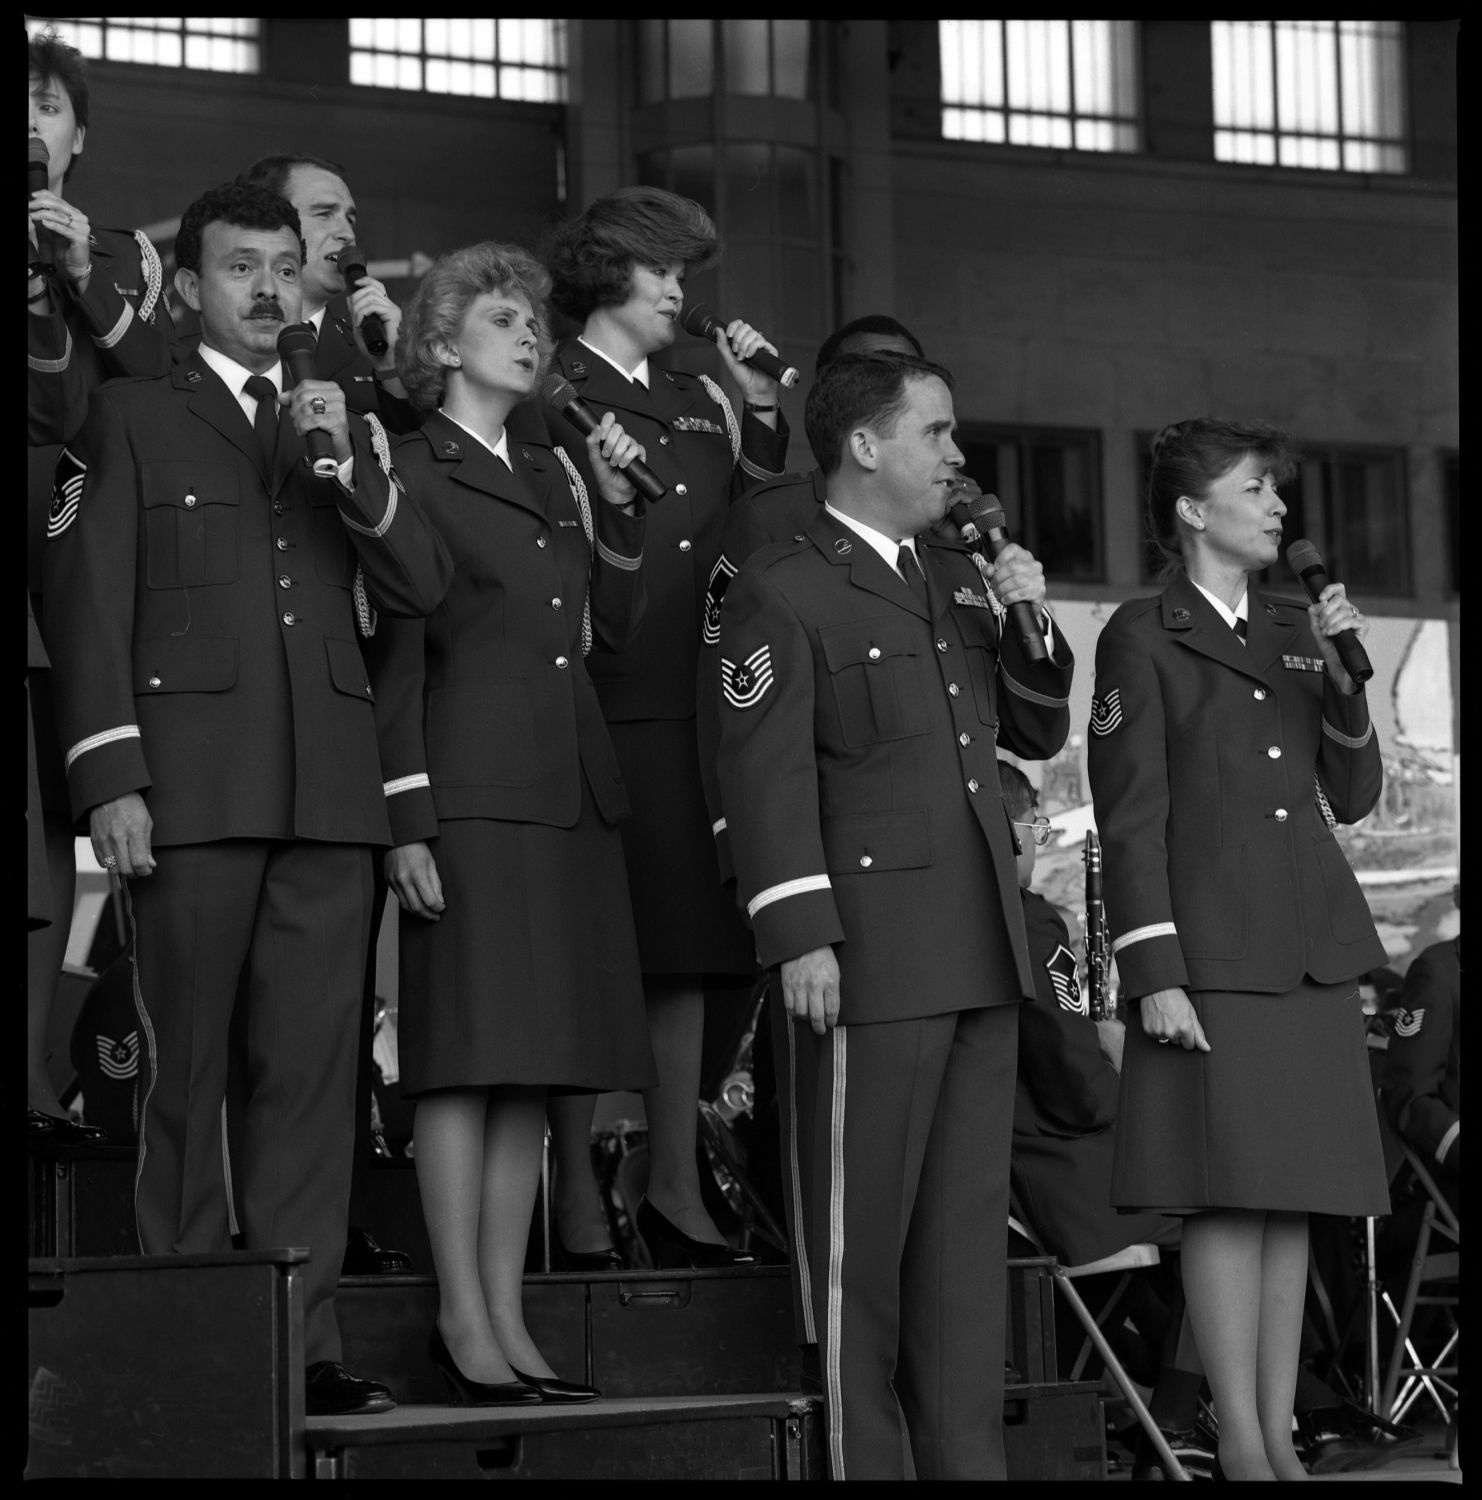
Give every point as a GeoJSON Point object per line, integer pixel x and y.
{"type": "Point", "coordinates": [188, 1366]}
{"type": "Point", "coordinates": [81, 1201]}
{"type": "Point", "coordinates": [1054, 1431]}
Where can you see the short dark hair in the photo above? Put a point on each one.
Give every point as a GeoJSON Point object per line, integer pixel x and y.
{"type": "Point", "coordinates": [1019, 795]}
{"type": "Point", "coordinates": [53, 61]}
{"type": "Point", "coordinates": [442, 298]}
{"type": "Point", "coordinates": [272, 172]}
{"type": "Point", "coordinates": [855, 390]}
{"type": "Point", "coordinates": [1188, 456]}
{"type": "Point", "coordinates": [591, 257]}
{"type": "Point", "coordinates": [833, 345]}
{"type": "Point", "coordinates": [238, 203]}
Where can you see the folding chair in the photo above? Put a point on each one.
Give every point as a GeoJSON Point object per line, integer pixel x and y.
{"type": "Point", "coordinates": [1132, 1258]}
{"type": "Point", "coordinates": [1429, 1267]}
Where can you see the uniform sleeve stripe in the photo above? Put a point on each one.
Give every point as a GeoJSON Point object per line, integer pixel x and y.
{"type": "Point", "coordinates": [757, 472]}
{"type": "Point", "coordinates": [1142, 934]}
{"type": "Point", "coordinates": [1446, 1140]}
{"type": "Point", "coordinates": [1019, 690]}
{"type": "Point", "coordinates": [386, 520]}
{"type": "Point", "coordinates": [718, 827]}
{"type": "Point", "coordinates": [97, 741]}
{"type": "Point", "coordinates": [52, 366]}
{"type": "Point", "coordinates": [617, 559]}
{"type": "Point", "coordinates": [788, 888]}
{"type": "Point", "coordinates": [114, 334]}
{"type": "Point", "coordinates": [1347, 740]}
{"type": "Point", "coordinates": [406, 784]}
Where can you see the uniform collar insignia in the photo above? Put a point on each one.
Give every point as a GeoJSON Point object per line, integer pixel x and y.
{"type": "Point", "coordinates": [843, 546]}
{"type": "Point", "coordinates": [451, 449]}
{"type": "Point", "coordinates": [1181, 616]}
{"type": "Point", "coordinates": [578, 367]}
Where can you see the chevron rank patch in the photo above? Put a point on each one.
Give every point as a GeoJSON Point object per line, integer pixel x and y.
{"type": "Point", "coordinates": [746, 685]}
{"type": "Point", "coordinates": [1408, 1022]}
{"type": "Point", "coordinates": [118, 1059]}
{"type": "Point", "coordinates": [66, 493]}
{"type": "Point", "coordinates": [1060, 966]}
{"type": "Point", "coordinates": [720, 580]}
{"type": "Point", "coordinates": [1106, 713]}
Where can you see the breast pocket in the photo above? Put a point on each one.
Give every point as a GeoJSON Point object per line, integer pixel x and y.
{"type": "Point", "coordinates": [192, 525]}
{"type": "Point", "coordinates": [875, 674]}
{"type": "Point", "coordinates": [334, 553]}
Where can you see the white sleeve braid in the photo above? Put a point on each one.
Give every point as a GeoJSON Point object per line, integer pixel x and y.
{"type": "Point", "coordinates": [579, 489]}
{"type": "Point", "coordinates": [732, 425]}
{"type": "Point", "coordinates": [154, 275]}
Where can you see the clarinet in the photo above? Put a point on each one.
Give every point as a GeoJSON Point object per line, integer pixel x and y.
{"type": "Point", "coordinates": [1098, 946]}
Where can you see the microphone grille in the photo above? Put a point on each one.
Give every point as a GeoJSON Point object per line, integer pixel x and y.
{"type": "Point", "coordinates": [558, 390]}
{"type": "Point", "coordinates": [1302, 556]}
{"type": "Point", "coordinates": [987, 512]}
{"type": "Point", "coordinates": [700, 321]}
{"type": "Point", "coordinates": [36, 149]}
{"type": "Point", "coordinates": [352, 255]}
{"type": "Point", "coordinates": [297, 338]}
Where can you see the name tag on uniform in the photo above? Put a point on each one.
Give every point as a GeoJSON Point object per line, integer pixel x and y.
{"type": "Point", "coordinates": [697, 424]}
{"type": "Point", "coordinates": [966, 596]}
{"type": "Point", "coordinates": [1303, 663]}
{"type": "Point", "coordinates": [568, 523]}
{"type": "Point", "coordinates": [126, 291]}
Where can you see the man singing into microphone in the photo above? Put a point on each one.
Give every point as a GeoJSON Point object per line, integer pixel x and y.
{"type": "Point", "coordinates": [204, 610]}
{"type": "Point", "coordinates": [866, 686]}
{"type": "Point", "coordinates": [328, 218]}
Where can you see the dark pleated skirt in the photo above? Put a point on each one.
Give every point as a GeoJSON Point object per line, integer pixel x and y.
{"type": "Point", "coordinates": [686, 923]}
{"type": "Point", "coordinates": [531, 976]}
{"type": "Point", "coordinates": [1280, 1114]}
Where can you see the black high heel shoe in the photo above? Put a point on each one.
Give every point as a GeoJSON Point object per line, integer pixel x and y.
{"type": "Point", "coordinates": [558, 1392]}
{"type": "Point", "coordinates": [466, 1392]}
{"type": "Point", "coordinates": [671, 1249]}
{"type": "Point", "coordinates": [608, 1259]}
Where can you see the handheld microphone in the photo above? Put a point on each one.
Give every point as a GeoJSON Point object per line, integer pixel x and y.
{"type": "Point", "coordinates": [561, 394]}
{"type": "Point", "coordinates": [372, 326]}
{"type": "Point", "coordinates": [702, 322]}
{"type": "Point", "coordinates": [982, 524]}
{"type": "Point", "coordinates": [38, 165]}
{"type": "Point", "coordinates": [296, 346]}
{"type": "Point", "coordinates": [1306, 562]}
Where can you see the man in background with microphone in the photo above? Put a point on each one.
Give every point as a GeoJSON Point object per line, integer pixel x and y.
{"type": "Point", "coordinates": [205, 601]}
{"type": "Point", "coordinates": [866, 686]}
{"type": "Point", "coordinates": [353, 316]}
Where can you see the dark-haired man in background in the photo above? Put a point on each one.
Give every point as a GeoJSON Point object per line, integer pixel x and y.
{"type": "Point", "coordinates": [205, 606]}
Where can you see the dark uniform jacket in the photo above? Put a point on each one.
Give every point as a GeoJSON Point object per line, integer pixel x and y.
{"type": "Point", "coordinates": [1221, 872]}
{"type": "Point", "coordinates": [485, 709]}
{"type": "Point", "coordinates": [859, 772]}
{"type": "Point", "coordinates": [695, 445]}
{"type": "Point", "coordinates": [338, 358]}
{"type": "Point", "coordinates": [1422, 1068]}
{"type": "Point", "coordinates": [1065, 1111]}
{"type": "Point", "coordinates": [203, 631]}
{"type": "Point", "coordinates": [120, 325]}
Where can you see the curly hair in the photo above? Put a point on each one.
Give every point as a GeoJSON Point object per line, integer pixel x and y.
{"type": "Point", "coordinates": [591, 257]}
{"type": "Point", "coordinates": [236, 203]}
{"type": "Point", "coordinates": [860, 390]}
{"type": "Point", "coordinates": [272, 172]}
{"type": "Point", "coordinates": [442, 298]}
{"type": "Point", "coordinates": [1188, 456]}
{"type": "Point", "coordinates": [53, 61]}
{"type": "Point", "coordinates": [859, 330]}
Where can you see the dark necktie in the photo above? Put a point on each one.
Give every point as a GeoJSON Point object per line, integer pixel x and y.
{"type": "Point", "coordinates": [1241, 630]}
{"type": "Point", "coordinates": [910, 570]}
{"type": "Point", "coordinates": [265, 419]}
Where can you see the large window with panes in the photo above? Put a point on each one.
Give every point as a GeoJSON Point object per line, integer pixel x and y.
{"type": "Point", "coordinates": [484, 58]}
{"type": "Point", "coordinates": [221, 44]}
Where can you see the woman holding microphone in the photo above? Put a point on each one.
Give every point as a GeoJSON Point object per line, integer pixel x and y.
{"type": "Point", "coordinates": [1226, 739]}
{"type": "Point", "coordinates": [619, 270]}
{"type": "Point", "coordinates": [518, 962]}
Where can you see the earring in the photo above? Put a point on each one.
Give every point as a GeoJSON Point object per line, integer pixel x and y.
{"type": "Point", "coordinates": [456, 360]}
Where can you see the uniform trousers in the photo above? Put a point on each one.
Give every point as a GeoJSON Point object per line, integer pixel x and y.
{"type": "Point", "coordinates": [895, 1139]}
{"type": "Point", "coordinates": [290, 919]}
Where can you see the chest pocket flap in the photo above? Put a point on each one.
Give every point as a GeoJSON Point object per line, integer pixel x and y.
{"type": "Point", "coordinates": [876, 678]}
{"type": "Point", "coordinates": [347, 668]}
{"type": "Point", "coordinates": [868, 843]}
{"type": "Point", "coordinates": [191, 524]}
{"type": "Point", "coordinates": [185, 664]}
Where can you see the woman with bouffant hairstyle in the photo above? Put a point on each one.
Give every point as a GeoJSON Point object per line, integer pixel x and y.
{"type": "Point", "coordinates": [619, 269]}
{"type": "Point", "coordinates": [519, 971]}
{"type": "Point", "coordinates": [1226, 742]}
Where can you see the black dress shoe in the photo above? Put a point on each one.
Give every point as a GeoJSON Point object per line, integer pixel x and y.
{"type": "Point", "coordinates": [465, 1392]}
{"type": "Point", "coordinates": [62, 1130]}
{"type": "Point", "coordinates": [558, 1391]}
{"type": "Point", "coordinates": [330, 1390]}
{"type": "Point", "coordinates": [607, 1259]}
{"type": "Point", "coordinates": [364, 1257]}
{"type": "Point", "coordinates": [671, 1249]}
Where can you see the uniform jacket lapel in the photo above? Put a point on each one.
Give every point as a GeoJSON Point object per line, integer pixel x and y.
{"type": "Point", "coordinates": [1270, 635]}
{"type": "Point", "coordinates": [1191, 617]}
{"type": "Point", "coordinates": [867, 569]}
{"type": "Point", "coordinates": [214, 403]}
{"type": "Point", "coordinates": [479, 469]}
{"type": "Point", "coordinates": [336, 347]}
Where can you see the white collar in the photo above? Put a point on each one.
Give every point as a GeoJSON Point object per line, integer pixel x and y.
{"type": "Point", "coordinates": [318, 319]}
{"type": "Point", "coordinates": [499, 449]}
{"type": "Point", "coordinates": [638, 373]}
{"type": "Point", "coordinates": [888, 547]}
{"type": "Point", "coordinates": [236, 376]}
{"type": "Point", "coordinates": [1229, 616]}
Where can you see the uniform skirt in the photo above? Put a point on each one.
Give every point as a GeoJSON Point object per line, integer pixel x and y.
{"type": "Point", "coordinates": [687, 924]}
{"type": "Point", "coordinates": [1279, 1114]}
{"type": "Point", "coordinates": [531, 975]}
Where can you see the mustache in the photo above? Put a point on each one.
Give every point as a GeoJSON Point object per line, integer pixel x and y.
{"type": "Point", "coordinates": [270, 310]}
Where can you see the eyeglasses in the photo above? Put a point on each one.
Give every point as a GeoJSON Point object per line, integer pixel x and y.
{"type": "Point", "coordinates": [1041, 830]}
